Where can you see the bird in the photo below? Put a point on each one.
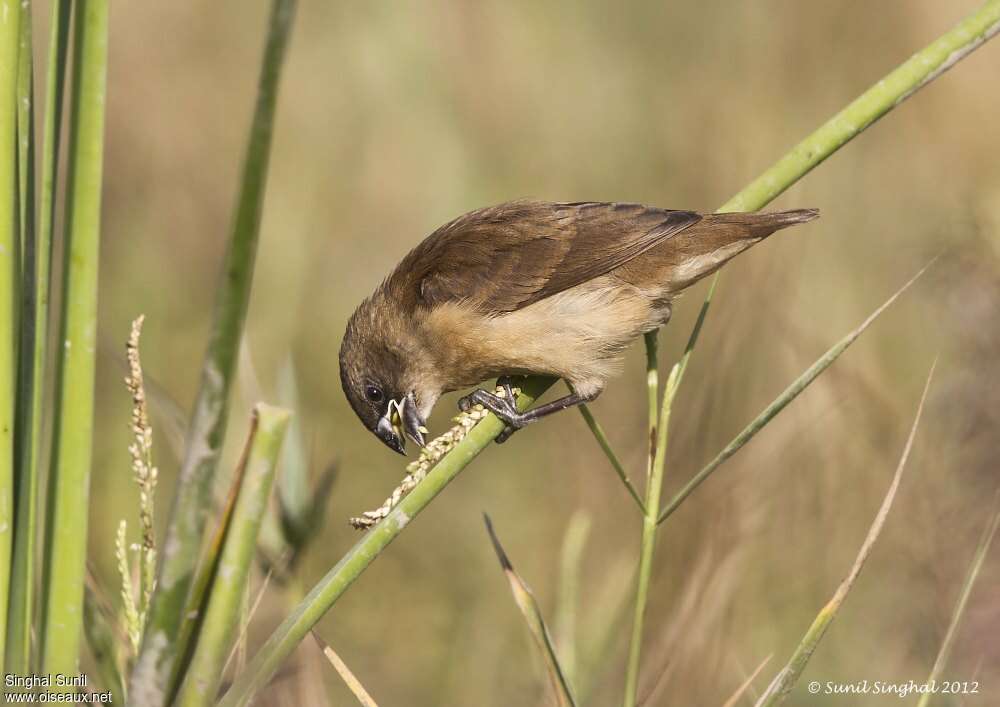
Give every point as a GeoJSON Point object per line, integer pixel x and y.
{"type": "Point", "coordinates": [528, 287]}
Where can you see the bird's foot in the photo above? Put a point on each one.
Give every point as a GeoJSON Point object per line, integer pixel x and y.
{"type": "Point", "coordinates": [502, 404]}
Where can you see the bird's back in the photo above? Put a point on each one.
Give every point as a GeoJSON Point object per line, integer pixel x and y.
{"type": "Point", "coordinates": [559, 288]}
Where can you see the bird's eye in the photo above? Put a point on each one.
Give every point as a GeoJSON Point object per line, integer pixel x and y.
{"type": "Point", "coordinates": [374, 393]}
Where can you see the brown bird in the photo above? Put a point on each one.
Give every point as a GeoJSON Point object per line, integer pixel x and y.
{"type": "Point", "coordinates": [528, 287]}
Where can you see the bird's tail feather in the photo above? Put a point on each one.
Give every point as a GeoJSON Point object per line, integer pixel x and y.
{"type": "Point", "coordinates": [706, 246]}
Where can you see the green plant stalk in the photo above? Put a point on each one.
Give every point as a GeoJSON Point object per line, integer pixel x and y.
{"type": "Point", "coordinates": [29, 382]}
{"type": "Point", "coordinates": [204, 674]}
{"type": "Point", "coordinates": [956, 618]}
{"type": "Point", "coordinates": [206, 433]}
{"type": "Point", "coordinates": [25, 136]}
{"type": "Point", "coordinates": [10, 237]}
{"type": "Point", "coordinates": [785, 680]}
{"type": "Point", "coordinates": [648, 542]}
{"type": "Point", "coordinates": [51, 142]}
{"type": "Point", "coordinates": [778, 404]}
{"type": "Point", "coordinates": [31, 459]}
{"type": "Point", "coordinates": [912, 75]}
{"type": "Point", "coordinates": [298, 623]}
{"type": "Point", "coordinates": [70, 483]}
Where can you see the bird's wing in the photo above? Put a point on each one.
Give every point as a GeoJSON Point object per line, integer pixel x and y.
{"type": "Point", "coordinates": [506, 257]}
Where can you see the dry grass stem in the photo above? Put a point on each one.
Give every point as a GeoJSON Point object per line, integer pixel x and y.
{"type": "Point", "coordinates": [735, 698]}
{"type": "Point", "coordinates": [352, 682]}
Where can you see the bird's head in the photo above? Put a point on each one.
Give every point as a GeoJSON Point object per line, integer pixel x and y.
{"type": "Point", "coordinates": [380, 383]}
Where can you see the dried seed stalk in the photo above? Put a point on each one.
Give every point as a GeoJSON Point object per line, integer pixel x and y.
{"type": "Point", "coordinates": [429, 456]}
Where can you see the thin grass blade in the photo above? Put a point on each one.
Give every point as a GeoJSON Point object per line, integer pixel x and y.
{"type": "Point", "coordinates": [206, 433]}
{"type": "Point", "coordinates": [779, 403]}
{"type": "Point", "coordinates": [956, 618]}
{"type": "Point", "coordinates": [69, 486]}
{"type": "Point", "coordinates": [785, 680]}
{"type": "Point", "coordinates": [741, 690]}
{"type": "Point", "coordinates": [353, 684]}
{"type": "Point", "coordinates": [10, 267]}
{"type": "Point", "coordinates": [215, 639]}
{"type": "Point", "coordinates": [532, 614]}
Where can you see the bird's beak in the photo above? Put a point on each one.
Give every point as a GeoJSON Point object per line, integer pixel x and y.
{"type": "Point", "coordinates": [413, 424]}
{"type": "Point", "coordinates": [386, 432]}
{"type": "Point", "coordinates": [401, 420]}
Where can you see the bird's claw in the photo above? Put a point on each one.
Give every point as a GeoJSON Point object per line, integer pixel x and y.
{"type": "Point", "coordinates": [501, 406]}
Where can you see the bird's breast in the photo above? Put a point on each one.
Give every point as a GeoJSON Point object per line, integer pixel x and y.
{"type": "Point", "coordinates": [575, 334]}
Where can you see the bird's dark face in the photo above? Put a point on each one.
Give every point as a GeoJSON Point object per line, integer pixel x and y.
{"type": "Point", "coordinates": [372, 375]}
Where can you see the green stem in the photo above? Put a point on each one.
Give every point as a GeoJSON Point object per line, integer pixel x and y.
{"type": "Point", "coordinates": [296, 625]}
{"type": "Point", "coordinates": [39, 250]}
{"type": "Point", "coordinates": [193, 498]}
{"type": "Point", "coordinates": [648, 542]}
{"type": "Point", "coordinates": [29, 379]}
{"type": "Point", "coordinates": [911, 76]}
{"type": "Point", "coordinates": [204, 674]}
{"type": "Point", "coordinates": [10, 11]}
{"type": "Point", "coordinates": [70, 483]}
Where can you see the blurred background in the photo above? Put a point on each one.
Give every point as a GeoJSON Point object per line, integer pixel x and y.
{"type": "Point", "coordinates": [394, 118]}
